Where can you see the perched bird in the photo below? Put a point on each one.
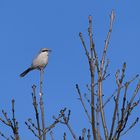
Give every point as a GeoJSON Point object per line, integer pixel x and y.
{"type": "Point", "coordinates": [39, 62]}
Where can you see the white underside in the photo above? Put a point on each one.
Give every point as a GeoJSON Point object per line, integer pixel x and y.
{"type": "Point", "coordinates": [41, 60]}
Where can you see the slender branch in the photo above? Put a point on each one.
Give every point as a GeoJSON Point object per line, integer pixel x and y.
{"type": "Point", "coordinates": [42, 105]}
{"type": "Point", "coordinates": [12, 123]}
{"type": "Point", "coordinates": [112, 17]}
{"type": "Point", "coordinates": [122, 123]}
{"type": "Point", "coordinates": [32, 124]}
{"type": "Point", "coordinates": [98, 119]}
{"type": "Point", "coordinates": [118, 113]}
{"type": "Point", "coordinates": [35, 104]}
{"type": "Point", "coordinates": [82, 102]}
{"type": "Point", "coordinates": [135, 93]}
{"type": "Point", "coordinates": [57, 120]}
{"type": "Point", "coordinates": [90, 36]}
{"type": "Point", "coordinates": [71, 131]}
{"type": "Point", "coordinates": [90, 60]}
{"type": "Point", "coordinates": [83, 133]}
{"type": "Point", "coordinates": [123, 106]}
{"type": "Point", "coordinates": [119, 83]}
{"type": "Point", "coordinates": [96, 84]}
{"type": "Point", "coordinates": [88, 135]}
{"type": "Point", "coordinates": [7, 122]}
{"type": "Point", "coordinates": [84, 45]}
{"type": "Point", "coordinates": [13, 113]}
{"type": "Point", "coordinates": [52, 136]}
{"type": "Point", "coordinates": [128, 82]}
{"type": "Point", "coordinates": [109, 99]}
{"type": "Point", "coordinates": [132, 98]}
{"type": "Point", "coordinates": [31, 129]}
{"type": "Point", "coordinates": [131, 126]}
{"type": "Point", "coordinates": [92, 45]}
{"type": "Point", "coordinates": [2, 135]}
{"type": "Point", "coordinates": [64, 136]}
{"type": "Point", "coordinates": [92, 71]}
{"type": "Point", "coordinates": [100, 75]}
{"type": "Point", "coordinates": [105, 70]}
{"type": "Point", "coordinates": [12, 137]}
{"type": "Point", "coordinates": [101, 106]}
{"type": "Point", "coordinates": [66, 122]}
{"type": "Point", "coordinates": [88, 100]}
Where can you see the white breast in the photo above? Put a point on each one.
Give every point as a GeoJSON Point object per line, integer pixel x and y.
{"type": "Point", "coordinates": [41, 60]}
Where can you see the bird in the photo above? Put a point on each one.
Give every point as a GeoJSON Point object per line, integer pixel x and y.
{"type": "Point", "coordinates": [39, 62]}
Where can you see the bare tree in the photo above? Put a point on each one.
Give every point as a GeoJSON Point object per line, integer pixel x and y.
{"type": "Point", "coordinates": [98, 68]}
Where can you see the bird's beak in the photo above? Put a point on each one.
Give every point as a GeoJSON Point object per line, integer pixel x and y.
{"type": "Point", "coordinates": [49, 50]}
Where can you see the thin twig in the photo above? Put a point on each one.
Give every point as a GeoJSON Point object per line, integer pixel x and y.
{"type": "Point", "coordinates": [101, 107]}
{"type": "Point", "coordinates": [84, 45]}
{"type": "Point", "coordinates": [31, 129]}
{"type": "Point", "coordinates": [35, 104]}
{"type": "Point", "coordinates": [42, 105]}
{"type": "Point", "coordinates": [88, 135]}
{"type": "Point", "coordinates": [32, 124]}
{"type": "Point", "coordinates": [105, 70]}
{"type": "Point", "coordinates": [98, 119]}
{"type": "Point", "coordinates": [131, 126]}
{"type": "Point", "coordinates": [52, 135]}
{"type": "Point", "coordinates": [66, 120]}
{"type": "Point", "coordinates": [2, 135]}
{"type": "Point", "coordinates": [108, 100]}
{"type": "Point", "coordinates": [112, 17]}
{"type": "Point", "coordinates": [92, 71]}
{"type": "Point", "coordinates": [85, 95]}
{"type": "Point", "coordinates": [119, 83]}
{"type": "Point", "coordinates": [83, 133]}
{"type": "Point", "coordinates": [64, 136]}
{"type": "Point", "coordinates": [135, 92]}
{"type": "Point", "coordinates": [12, 123]}
{"type": "Point", "coordinates": [128, 82]}
{"type": "Point", "coordinates": [82, 102]}
{"type": "Point", "coordinates": [133, 97]}
{"type": "Point", "coordinates": [50, 127]}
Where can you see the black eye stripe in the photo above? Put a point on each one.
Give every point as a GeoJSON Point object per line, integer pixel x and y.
{"type": "Point", "coordinates": [44, 50]}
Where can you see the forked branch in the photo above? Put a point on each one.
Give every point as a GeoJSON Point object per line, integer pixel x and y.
{"type": "Point", "coordinates": [12, 123]}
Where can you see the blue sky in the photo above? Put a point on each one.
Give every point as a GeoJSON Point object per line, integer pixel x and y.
{"type": "Point", "coordinates": [26, 26]}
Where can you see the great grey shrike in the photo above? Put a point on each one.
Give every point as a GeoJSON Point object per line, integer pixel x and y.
{"type": "Point", "coordinates": [39, 62]}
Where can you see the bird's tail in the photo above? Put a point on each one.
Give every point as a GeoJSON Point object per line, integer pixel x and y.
{"type": "Point", "coordinates": [26, 71]}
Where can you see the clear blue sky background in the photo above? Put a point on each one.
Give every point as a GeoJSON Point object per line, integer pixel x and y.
{"type": "Point", "coordinates": [26, 26]}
